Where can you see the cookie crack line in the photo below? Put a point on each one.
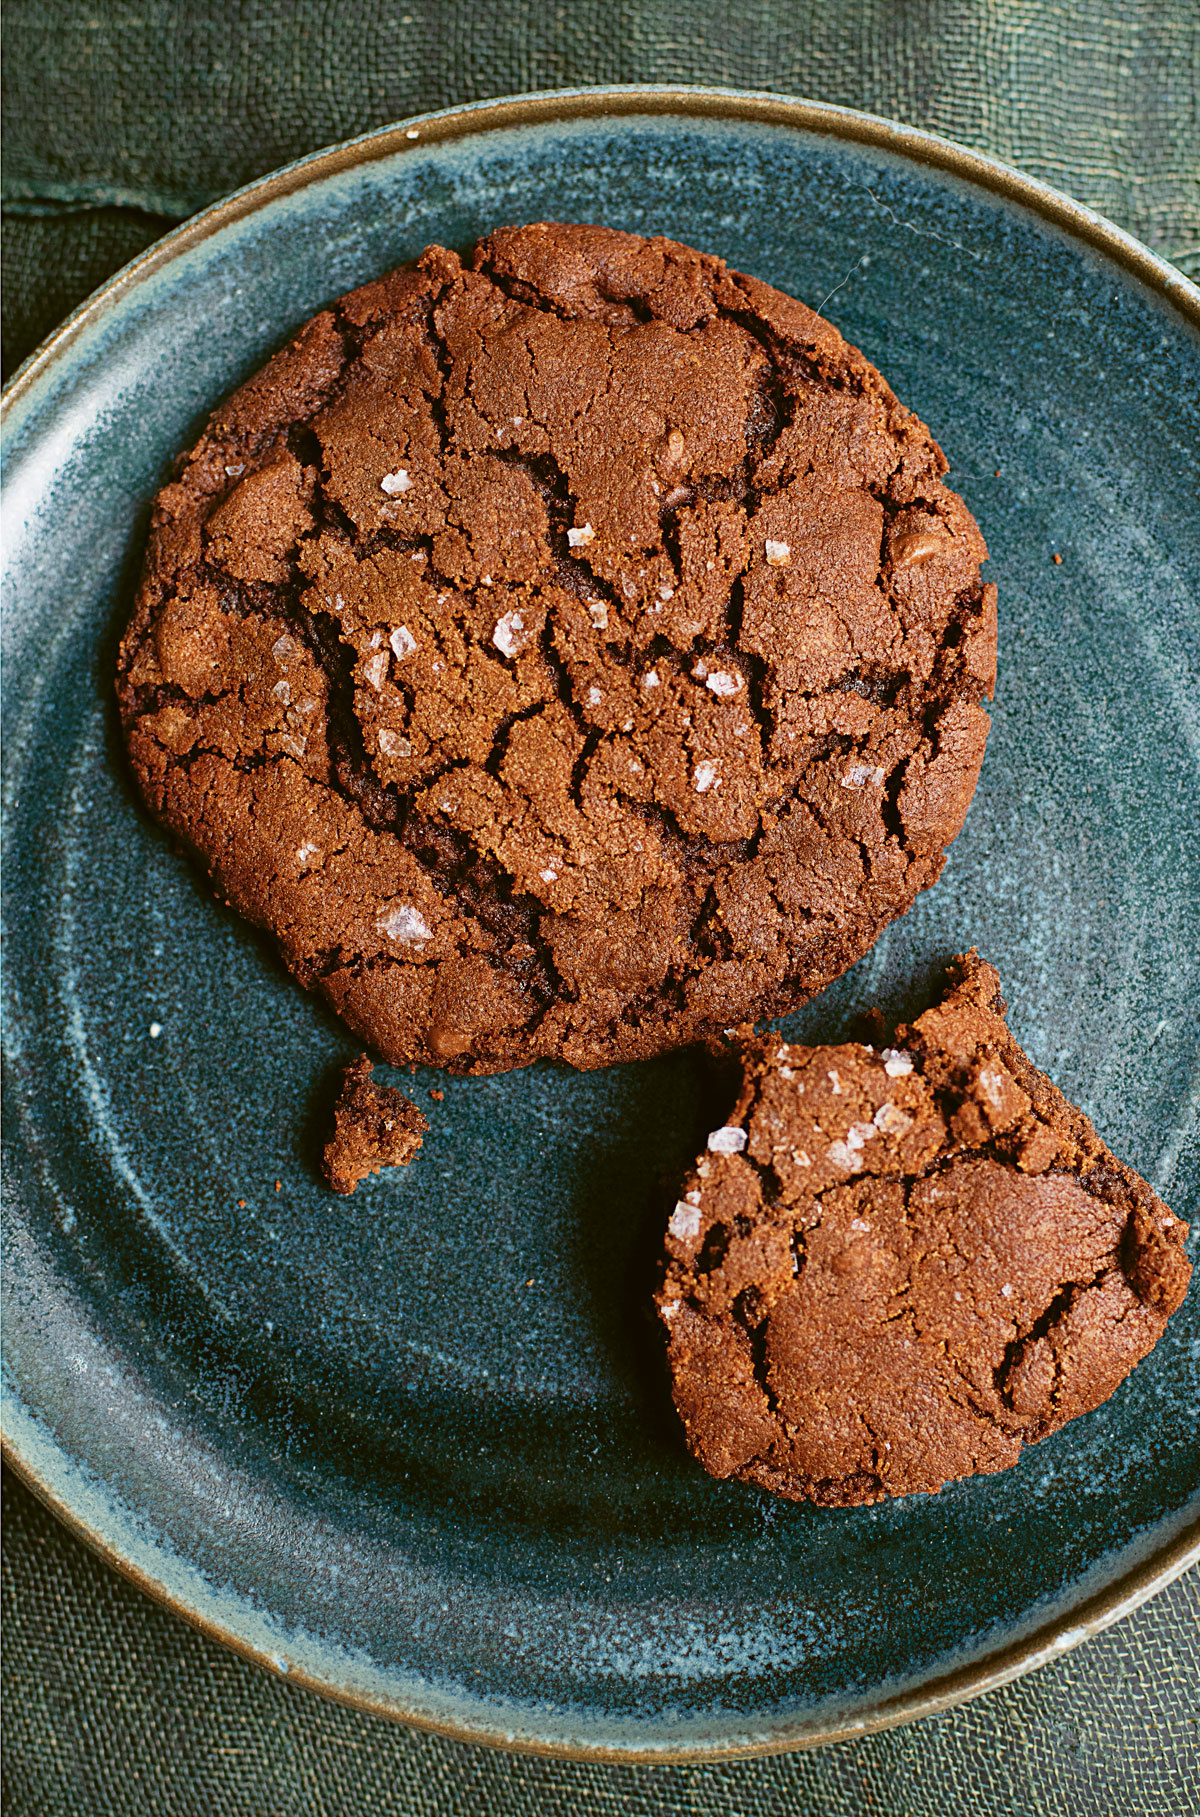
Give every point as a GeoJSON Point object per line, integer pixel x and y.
{"type": "Point", "coordinates": [594, 554]}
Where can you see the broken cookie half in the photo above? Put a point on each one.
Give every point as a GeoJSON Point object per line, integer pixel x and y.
{"type": "Point", "coordinates": [374, 1126]}
{"type": "Point", "coordinates": [893, 1269]}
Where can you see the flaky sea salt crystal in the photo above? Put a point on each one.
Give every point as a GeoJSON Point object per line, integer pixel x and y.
{"type": "Point", "coordinates": [306, 851]}
{"type": "Point", "coordinates": [993, 1086]}
{"type": "Point", "coordinates": [778, 554]}
{"type": "Point", "coordinates": [859, 1134]}
{"type": "Point", "coordinates": [800, 1158]}
{"type": "Point", "coordinates": [859, 1224]}
{"type": "Point", "coordinates": [723, 684]}
{"type": "Point", "coordinates": [392, 744]}
{"type": "Point", "coordinates": [860, 774]}
{"type": "Point", "coordinates": [393, 483]}
{"type": "Point", "coordinates": [670, 1309]}
{"type": "Point", "coordinates": [405, 925]}
{"type": "Point", "coordinates": [896, 1063]}
{"type": "Point", "coordinates": [892, 1120]}
{"type": "Point", "coordinates": [835, 1079]}
{"type": "Point", "coordinates": [844, 1157]}
{"type": "Point", "coordinates": [508, 636]}
{"type": "Point", "coordinates": [1006, 1290]}
{"type": "Point", "coordinates": [704, 776]}
{"type": "Point", "coordinates": [238, 467]}
{"type": "Point", "coordinates": [548, 876]}
{"type": "Point", "coordinates": [579, 539]}
{"type": "Point", "coordinates": [295, 747]}
{"type": "Point", "coordinates": [650, 678]}
{"type": "Point", "coordinates": [693, 1197]}
{"type": "Point", "coordinates": [594, 697]}
{"type": "Point", "coordinates": [376, 670]}
{"type": "Point", "coordinates": [283, 691]}
{"type": "Point", "coordinates": [403, 642]}
{"type": "Point", "coordinates": [728, 1140]}
{"type": "Point", "coordinates": [598, 613]}
{"type": "Point", "coordinates": [685, 1220]}
{"type": "Point", "coordinates": [284, 648]}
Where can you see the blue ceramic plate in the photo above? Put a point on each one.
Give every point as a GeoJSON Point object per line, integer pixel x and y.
{"type": "Point", "coordinates": [416, 1448]}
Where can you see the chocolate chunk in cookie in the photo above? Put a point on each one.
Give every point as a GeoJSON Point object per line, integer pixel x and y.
{"type": "Point", "coordinates": [569, 652]}
{"type": "Point", "coordinates": [374, 1126]}
{"type": "Point", "coordinates": [892, 1269]}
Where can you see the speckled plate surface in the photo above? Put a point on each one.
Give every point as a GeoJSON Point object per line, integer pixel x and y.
{"type": "Point", "coordinates": [415, 1448]}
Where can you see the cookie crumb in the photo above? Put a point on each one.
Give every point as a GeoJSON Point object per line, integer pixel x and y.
{"type": "Point", "coordinates": [436, 1095]}
{"type": "Point", "coordinates": [1058, 561]}
{"type": "Point", "coordinates": [374, 1126]}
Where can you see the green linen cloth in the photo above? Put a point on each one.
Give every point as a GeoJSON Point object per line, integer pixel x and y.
{"type": "Point", "coordinates": [124, 116]}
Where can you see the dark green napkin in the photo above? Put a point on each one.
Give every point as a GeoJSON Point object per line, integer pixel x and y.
{"type": "Point", "coordinates": [124, 116]}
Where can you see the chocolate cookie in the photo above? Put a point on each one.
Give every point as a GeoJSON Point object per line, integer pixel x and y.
{"type": "Point", "coordinates": [566, 653]}
{"type": "Point", "coordinates": [894, 1269]}
{"type": "Point", "coordinates": [374, 1126]}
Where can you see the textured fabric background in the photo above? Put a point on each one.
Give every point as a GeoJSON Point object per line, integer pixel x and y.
{"type": "Point", "coordinates": [121, 117]}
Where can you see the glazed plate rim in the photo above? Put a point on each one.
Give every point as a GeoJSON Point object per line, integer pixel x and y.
{"type": "Point", "coordinates": [1063, 1628]}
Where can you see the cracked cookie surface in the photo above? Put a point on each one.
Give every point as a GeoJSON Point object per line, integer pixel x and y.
{"type": "Point", "coordinates": [894, 1269]}
{"type": "Point", "coordinates": [566, 653]}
